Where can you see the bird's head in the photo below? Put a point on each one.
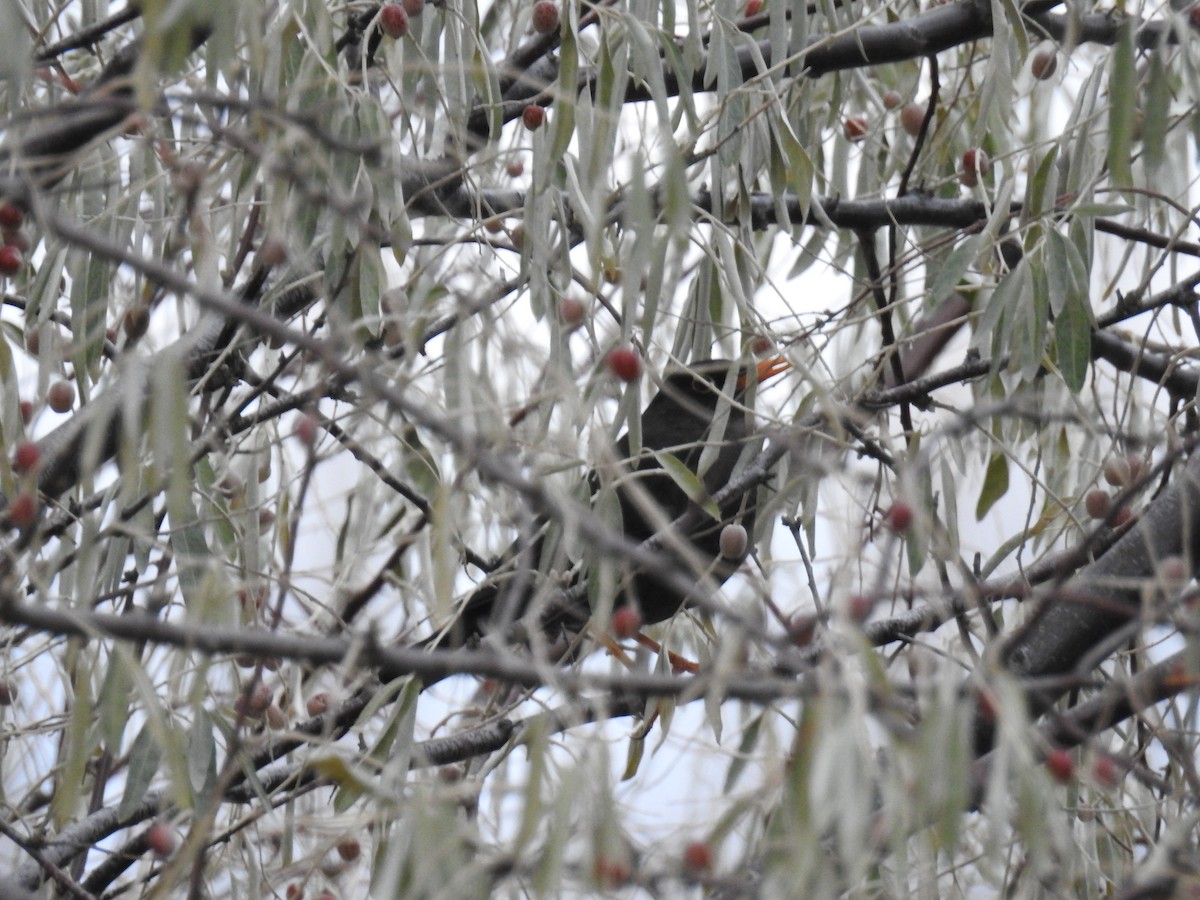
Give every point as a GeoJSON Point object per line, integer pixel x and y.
{"type": "Point", "coordinates": [691, 396]}
{"type": "Point", "coordinates": [703, 383]}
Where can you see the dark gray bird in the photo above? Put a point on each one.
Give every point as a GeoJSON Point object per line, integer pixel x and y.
{"type": "Point", "coordinates": [680, 421]}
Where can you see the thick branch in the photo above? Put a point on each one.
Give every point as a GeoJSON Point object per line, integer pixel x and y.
{"type": "Point", "coordinates": [1108, 594]}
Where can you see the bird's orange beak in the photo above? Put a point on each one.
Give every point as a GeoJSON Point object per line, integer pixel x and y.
{"type": "Point", "coordinates": [768, 368]}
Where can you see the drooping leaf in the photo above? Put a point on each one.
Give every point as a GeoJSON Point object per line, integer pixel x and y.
{"type": "Point", "coordinates": [145, 756]}
{"type": "Point", "coordinates": [1073, 341]}
{"type": "Point", "coordinates": [1122, 88]}
{"type": "Point", "coordinates": [995, 485]}
{"type": "Point", "coordinates": [688, 481]}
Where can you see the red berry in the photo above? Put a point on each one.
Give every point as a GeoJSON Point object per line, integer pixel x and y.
{"type": "Point", "coordinates": [393, 20]}
{"type": "Point", "coordinates": [188, 177]}
{"type": "Point", "coordinates": [859, 608]}
{"type": "Point", "coordinates": [1121, 517]}
{"type": "Point", "coordinates": [801, 629]}
{"type": "Point", "coordinates": [892, 100]}
{"type": "Point", "coordinates": [975, 165]}
{"type": "Point", "coordinates": [11, 217]}
{"type": "Point", "coordinates": [10, 259]}
{"type": "Point", "coordinates": [1097, 503]}
{"type": "Point", "coordinates": [60, 396]}
{"type": "Point", "coordinates": [17, 238]}
{"type": "Point", "coordinates": [349, 849]}
{"type": "Point", "coordinates": [306, 430]}
{"type": "Point", "coordinates": [855, 128]}
{"type": "Point", "coordinates": [611, 873]}
{"type": "Point", "coordinates": [545, 16]}
{"type": "Point", "coordinates": [1060, 765]}
{"type": "Point", "coordinates": [1107, 771]}
{"type": "Point", "coordinates": [912, 117]}
{"type": "Point", "coordinates": [1045, 62]}
{"type": "Point", "coordinates": [571, 311]}
{"type": "Point", "coordinates": [26, 457]}
{"type": "Point", "coordinates": [252, 598]}
{"type": "Point", "coordinates": [626, 622]}
{"type": "Point", "coordinates": [136, 124]}
{"type": "Point", "coordinates": [1118, 472]}
{"type": "Point", "coordinates": [899, 518]}
{"type": "Point", "coordinates": [8, 692]}
{"type": "Point", "coordinates": [753, 7]}
{"type": "Point", "coordinates": [160, 839]}
{"type": "Point", "coordinates": [135, 322]}
{"type": "Point", "coordinates": [625, 363]}
{"type": "Point", "coordinates": [413, 7]}
{"type": "Point", "coordinates": [761, 345]}
{"type": "Point", "coordinates": [317, 703]}
{"type": "Point", "coordinates": [985, 705]}
{"type": "Point", "coordinates": [533, 116]}
{"type": "Point", "coordinates": [26, 412]}
{"type": "Point", "coordinates": [273, 252]}
{"type": "Point", "coordinates": [698, 856]}
{"type": "Point", "coordinates": [22, 511]}
{"type": "Point", "coordinates": [734, 542]}
{"type": "Point", "coordinates": [294, 892]}
{"type": "Point", "coordinates": [515, 168]}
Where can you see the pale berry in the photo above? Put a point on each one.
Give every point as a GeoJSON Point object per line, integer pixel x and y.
{"type": "Point", "coordinates": [571, 311]}
{"type": "Point", "coordinates": [1097, 503]}
{"type": "Point", "coordinates": [60, 396]}
{"type": "Point", "coordinates": [912, 117]}
{"type": "Point", "coordinates": [734, 542]}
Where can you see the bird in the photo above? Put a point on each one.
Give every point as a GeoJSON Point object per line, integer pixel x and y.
{"type": "Point", "coordinates": [698, 406]}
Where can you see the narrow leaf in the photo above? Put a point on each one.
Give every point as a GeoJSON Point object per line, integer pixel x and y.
{"type": "Point", "coordinates": [689, 482]}
{"type": "Point", "coordinates": [995, 485]}
{"type": "Point", "coordinates": [1073, 341]}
